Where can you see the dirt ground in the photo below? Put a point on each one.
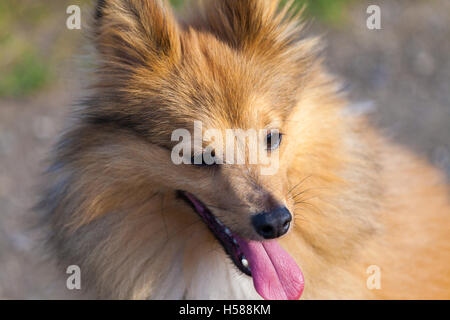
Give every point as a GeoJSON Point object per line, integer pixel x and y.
{"type": "Point", "coordinates": [399, 75]}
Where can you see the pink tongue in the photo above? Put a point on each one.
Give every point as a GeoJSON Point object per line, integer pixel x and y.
{"type": "Point", "coordinates": [275, 274]}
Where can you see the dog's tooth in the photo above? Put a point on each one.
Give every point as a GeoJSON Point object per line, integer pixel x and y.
{"type": "Point", "coordinates": [227, 231]}
{"type": "Point", "coordinates": [244, 262]}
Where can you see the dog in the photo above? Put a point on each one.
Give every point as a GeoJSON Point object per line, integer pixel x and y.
{"type": "Point", "coordinates": [348, 214]}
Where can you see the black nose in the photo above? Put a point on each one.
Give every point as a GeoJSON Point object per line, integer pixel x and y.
{"type": "Point", "coordinates": [273, 224]}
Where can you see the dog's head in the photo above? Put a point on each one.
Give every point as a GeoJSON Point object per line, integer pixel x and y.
{"type": "Point", "coordinates": [237, 65]}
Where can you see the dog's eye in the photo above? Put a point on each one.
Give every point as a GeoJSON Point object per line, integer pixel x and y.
{"type": "Point", "coordinates": [273, 141]}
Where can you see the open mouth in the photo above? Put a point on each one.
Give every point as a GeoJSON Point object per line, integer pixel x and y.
{"type": "Point", "coordinates": [275, 274]}
{"type": "Point", "coordinates": [220, 231]}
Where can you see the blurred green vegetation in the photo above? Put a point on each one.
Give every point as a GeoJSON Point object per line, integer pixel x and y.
{"type": "Point", "coordinates": [34, 42]}
{"type": "Point", "coordinates": [26, 74]}
{"type": "Point", "coordinates": [328, 11]}
{"type": "Point", "coordinates": [22, 69]}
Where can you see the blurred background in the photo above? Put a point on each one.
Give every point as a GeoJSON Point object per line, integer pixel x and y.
{"type": "Point", "coordinates": [399, 76]}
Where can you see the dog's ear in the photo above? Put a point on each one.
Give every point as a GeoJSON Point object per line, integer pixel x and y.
{"type": "Point", "coordinates": [254, 26]}
{"type": "Point", "coordinates": [136, 32]}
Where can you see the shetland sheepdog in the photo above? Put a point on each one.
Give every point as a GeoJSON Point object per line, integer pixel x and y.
{"type": "Point", "coordinates": [348, 214]}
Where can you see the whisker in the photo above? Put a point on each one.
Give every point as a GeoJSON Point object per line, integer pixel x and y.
{"type": "Point", "coordinates": [301, 181]}
{"type": "Point", "coordinates": [307, 199]}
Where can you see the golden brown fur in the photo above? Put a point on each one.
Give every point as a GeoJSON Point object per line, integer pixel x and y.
{"type": "Point", "coordinates": [358, 199]}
